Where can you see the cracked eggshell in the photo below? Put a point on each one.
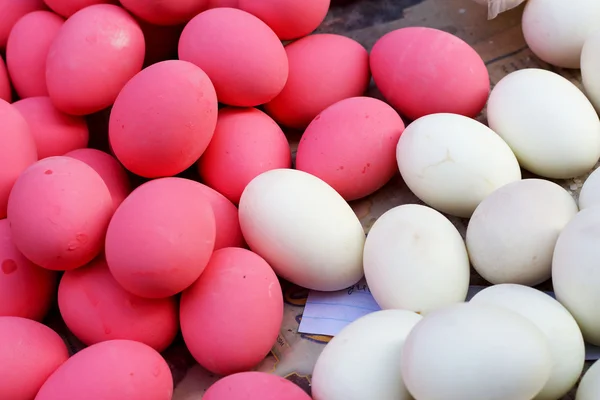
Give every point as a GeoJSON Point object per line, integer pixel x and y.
{"type": "Point", "coordinates": [590, 68]}
{"type": "Point", "coordinates": [452, 162]}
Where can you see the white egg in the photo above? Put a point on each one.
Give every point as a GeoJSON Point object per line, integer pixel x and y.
{"type": "Point", "coordinates": [590, 192]}
{"type": "Point", "coordinates": [556, 323]}
{"type": "Point", "coordinates": [452, 162]}
{"type": "Point", "coordinates": [589, 387]}
{"type": "Point", "coordinates": [363, 360]}
{"type": "Point", "coordinates": [590, 68]}
{"type": "Point", "coordinates": [475, 352]}
{"type": "Point", "coordinates": [547, 121]}
{"type": "Point", "coordinates": [303, 228]}
{"type": "Point", "coordinates": [415, 259]}
{"type": "Point", "coordinates": [576, 272]}
{"type": "Point", "coordinates": [555, 30]}
{"type": "Point", "coordinates": [512, 234]}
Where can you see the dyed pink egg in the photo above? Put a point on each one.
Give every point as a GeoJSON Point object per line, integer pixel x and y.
{"type": "Point", "coordinates": [229, 233]}
{"type": "Point", "coordinates": [246, 72]}
{"type": "Point", "coordinates": [96, 308]}
{"type": "Point", "coordinates": [109, 169]}
{"type": "Point", "coordinates": [163, 119]}
{"type": "Point", "coordinates": [324, 69]}
{"type": "Point", "coordinates": [94, 54]}
{"type": "Point", "coordinates": [29, 353]}
{"type": "Point", "coordinates": [254, 385]}
{"type": "Point", "coordinates": [223, 3]}
{"type": "Point", "coordinates": [116, 369]}
{"type": "Point", "coordinates": [455, 80]}
{"type": "Point", "coordinates": [55, 133]}
{"type": "Point", "coordinates": [289, 19]}
{"type": "Point", "coordinates": [352, 146]}
{"type": "Point", "coordinates": [161, 238]}
{"type": "Point", "coordinates": [58, 211]}
{"type": "Point", "coordinates": [161, 42]}
{"type": "Point", "coordinates": [66, 8]}
{"type": "Point", "coordinates": [11, 11]}
{"type": "Point", "coordinates": [17, 150]}
{"type": "Point", "coordinates": [27, 51]}
{"type": "Point", "coordinates": [160, 12]}
{"type": "Point", "coordinates": [5, 88]}
{"type": "Point", "coordinates": [238, 288]}
{"type": "Point", "coordinates": [26, 290]}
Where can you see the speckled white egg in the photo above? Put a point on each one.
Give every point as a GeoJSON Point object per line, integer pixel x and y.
{"type": "Point", "coordinates": [512, 233]}
{"type": "Point", "coordinates": [452, 162]}
{"type": "Point", "coordinates": [547, 121]}
{"type": "Point", "coordinates": [589, 387]}
{"type": "Point", "coordinates": [415, 259]}
{"type": "Point", "coordinates": [590, 192]}
{"type": "Point", "coordinates": [590, 68]}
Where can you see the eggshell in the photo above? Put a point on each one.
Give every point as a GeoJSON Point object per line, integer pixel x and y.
{"type": "Point", "coordinates": [159, 12]}
{"type": "Point", "coordinates": [363, 360]}
{"type": "Point", "coordinates": [5, 88]}
{"type": "Point", "coordinates": [556, 323]}
{"type": "Point", "coordinates": [547, 121]}
{"type": "Point", "coordinates": [351, 145]}
{"type": "Point", "coordinates": [246, 72]}
{"type": "Point", "coordinates": [109, 169]}
{"type": "Point", "coordinates": [66, 8]}
{"type": "Point", "coordinates": [590, 65]}
{"type": "Point", "coordinates": [12, 11]}
{"type": "Point", "coordinates": [510, 358]}
{"type": "Point", "coordinates": [590, 192]}
{"type": "Point", "coordinates": [55, 133]}
{"type": "Point", "coordinates": [254, 385]}
{"type": "Point", "coordinates": [96, 308]}
{"type": "Point", "coordinates": [512, 233]}
{"type": "Point", "coordinates": [408, 245]}
{"type": "Point", "coordinates": [452, 162]}
{"type": "Point", "coordinates": [155, 144]}
{"type": "Point", "coordinates": [17, 150]}
{"type": "Point", "coordinates": [455, 81]}
{"type": "Point", "coordinates": [319, 238]}
{"type": "Point", "coordinates": [59, 211]}
{"type": "Point", "coordinates": [27, 50]}
{"type": "Point", "coordinates": [85, 75]}
{"type": "Point", "coordinates": [323, 69]}
{"type": "Point", "coordinates": [116, 369]}
{"type": "Point", "coordinates": [161, 42]}
{"type": "Point", "coordinates": [160, 238]}
{"type": "Point", "coordinates": [289, 19]}
{"type": "Point", "coordinates": [29, 353]}
{"type": "Point", "coordinates": [589, 386]}
{"type": "Point", "coordinates": [246, 143]}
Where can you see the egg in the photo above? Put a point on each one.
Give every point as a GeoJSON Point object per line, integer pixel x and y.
{"type": "Point", "coordinates": [363, 360]}
{"type": "Point", "coordinates": [512, 233]}
{"type": "Point", "coordinates": [118, 369]}
{"type": "Point", "coordinates": [351, 145]}
{"type": "Point", "coordinates": [245, 73]}
{"type": "Point", "coordinates": [238, 288]}
{"type": "Point", "coordinates": [589, 386]}
{"type": "Point", "coordinates": [12, 11]}
{"type": "Point", "coordinates": [29, 353]}
{"type": "Point", "coordinates": [575, 276]}
{"type": "Point", "coordinates": [547, 121]}
{"type": "Point", "coordinates": [469, 351]}
{"type": "Point", "coordinates": [85, 76]}
{"type": "Point", "coordinates": [254, 385]}
{"type": "Point", "coordinates": [555, 30]}
{"type": "Point", "coordinates": [452, 162]}
{"type": "Point", "coordinates": [405, 247]}
{"type": "Point", "coordinates": [323, 69]}
{"type": "Point", "coordinates": [66, 8]}
{"type": "Point", "coordinates": [156, 144]}
{"type": "Point", "coordinates": [5, 87]}
{"type": "Point", "coordinates": [172, 12]}
{"type": "Point", "coordinates": [590, 64]}
{"type": "Point", "coordinates": [590, 192]}
{"type": "Point", "coordinates": [558, 325]}
{"type": "Point", "coordinates": [455, 81]}
{"type": "Point", "coordinates": [319, 238]}
{"type": "Point", "coordinates": [27, 49]}
{"type": "Point", "coordinates": [223, 3]}
{"type": "Point", "coordinates": [160, 238]}
{"type": "Point", "coordinates": [17, 150]}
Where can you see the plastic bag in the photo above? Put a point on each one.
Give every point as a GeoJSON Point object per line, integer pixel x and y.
{"type": "Point", "coordinates": [496, 7]}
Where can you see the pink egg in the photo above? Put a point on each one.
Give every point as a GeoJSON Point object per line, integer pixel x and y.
{"type": "Point", "coordinates": [324, 69]}
{"type": "Point", "coordinates": [163, 119]}
{"type": "Point", "coordinates": [246, 72]}
{"type": "Point", "coordinates": [237, 289]}
{"type": "Point", "coordinates": [26, 290]}
{"type": "Point", "coordinates": [17, 150]}
{"type": "Point", "coordinates": [160, 12]}
{"type": "Point", "coordinates": [161, 42]}
{"type": "Point", "coordinates": [55, 133]}
{"type": "Point", "coordinates": [116, 369]}
{"type": "Point", "coordinates": [246, 143]}
{"type": "Point", "coordinates": [29, 353]}
{"type": "Point", "coordinates": [94, 54]}
{"type": "Point", "coordinates": [66, 8]}
{"type": "Point", "coordinates": [253, 386]}
{"type": "Point", "coordinates": [27, 50]}
{"type": "Point", "coordinates": [96, 308]}
{"type": "Point", "coordinates": [161, 238]}
{"type": "Point", "coordinates": [58, 211]}
{"type": "Point", "coordinates": [11, 11]}
{"type": "Point", "coordinates": [223, 3]}
{"type": "Point", "coordinates": [289, 19]}
{"type": "Point", "coordinates": [455, 81]}
{"type": "Point", "coordinates": [109, 169]}
{"type": "Point", "coordinates": [5, 88]}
